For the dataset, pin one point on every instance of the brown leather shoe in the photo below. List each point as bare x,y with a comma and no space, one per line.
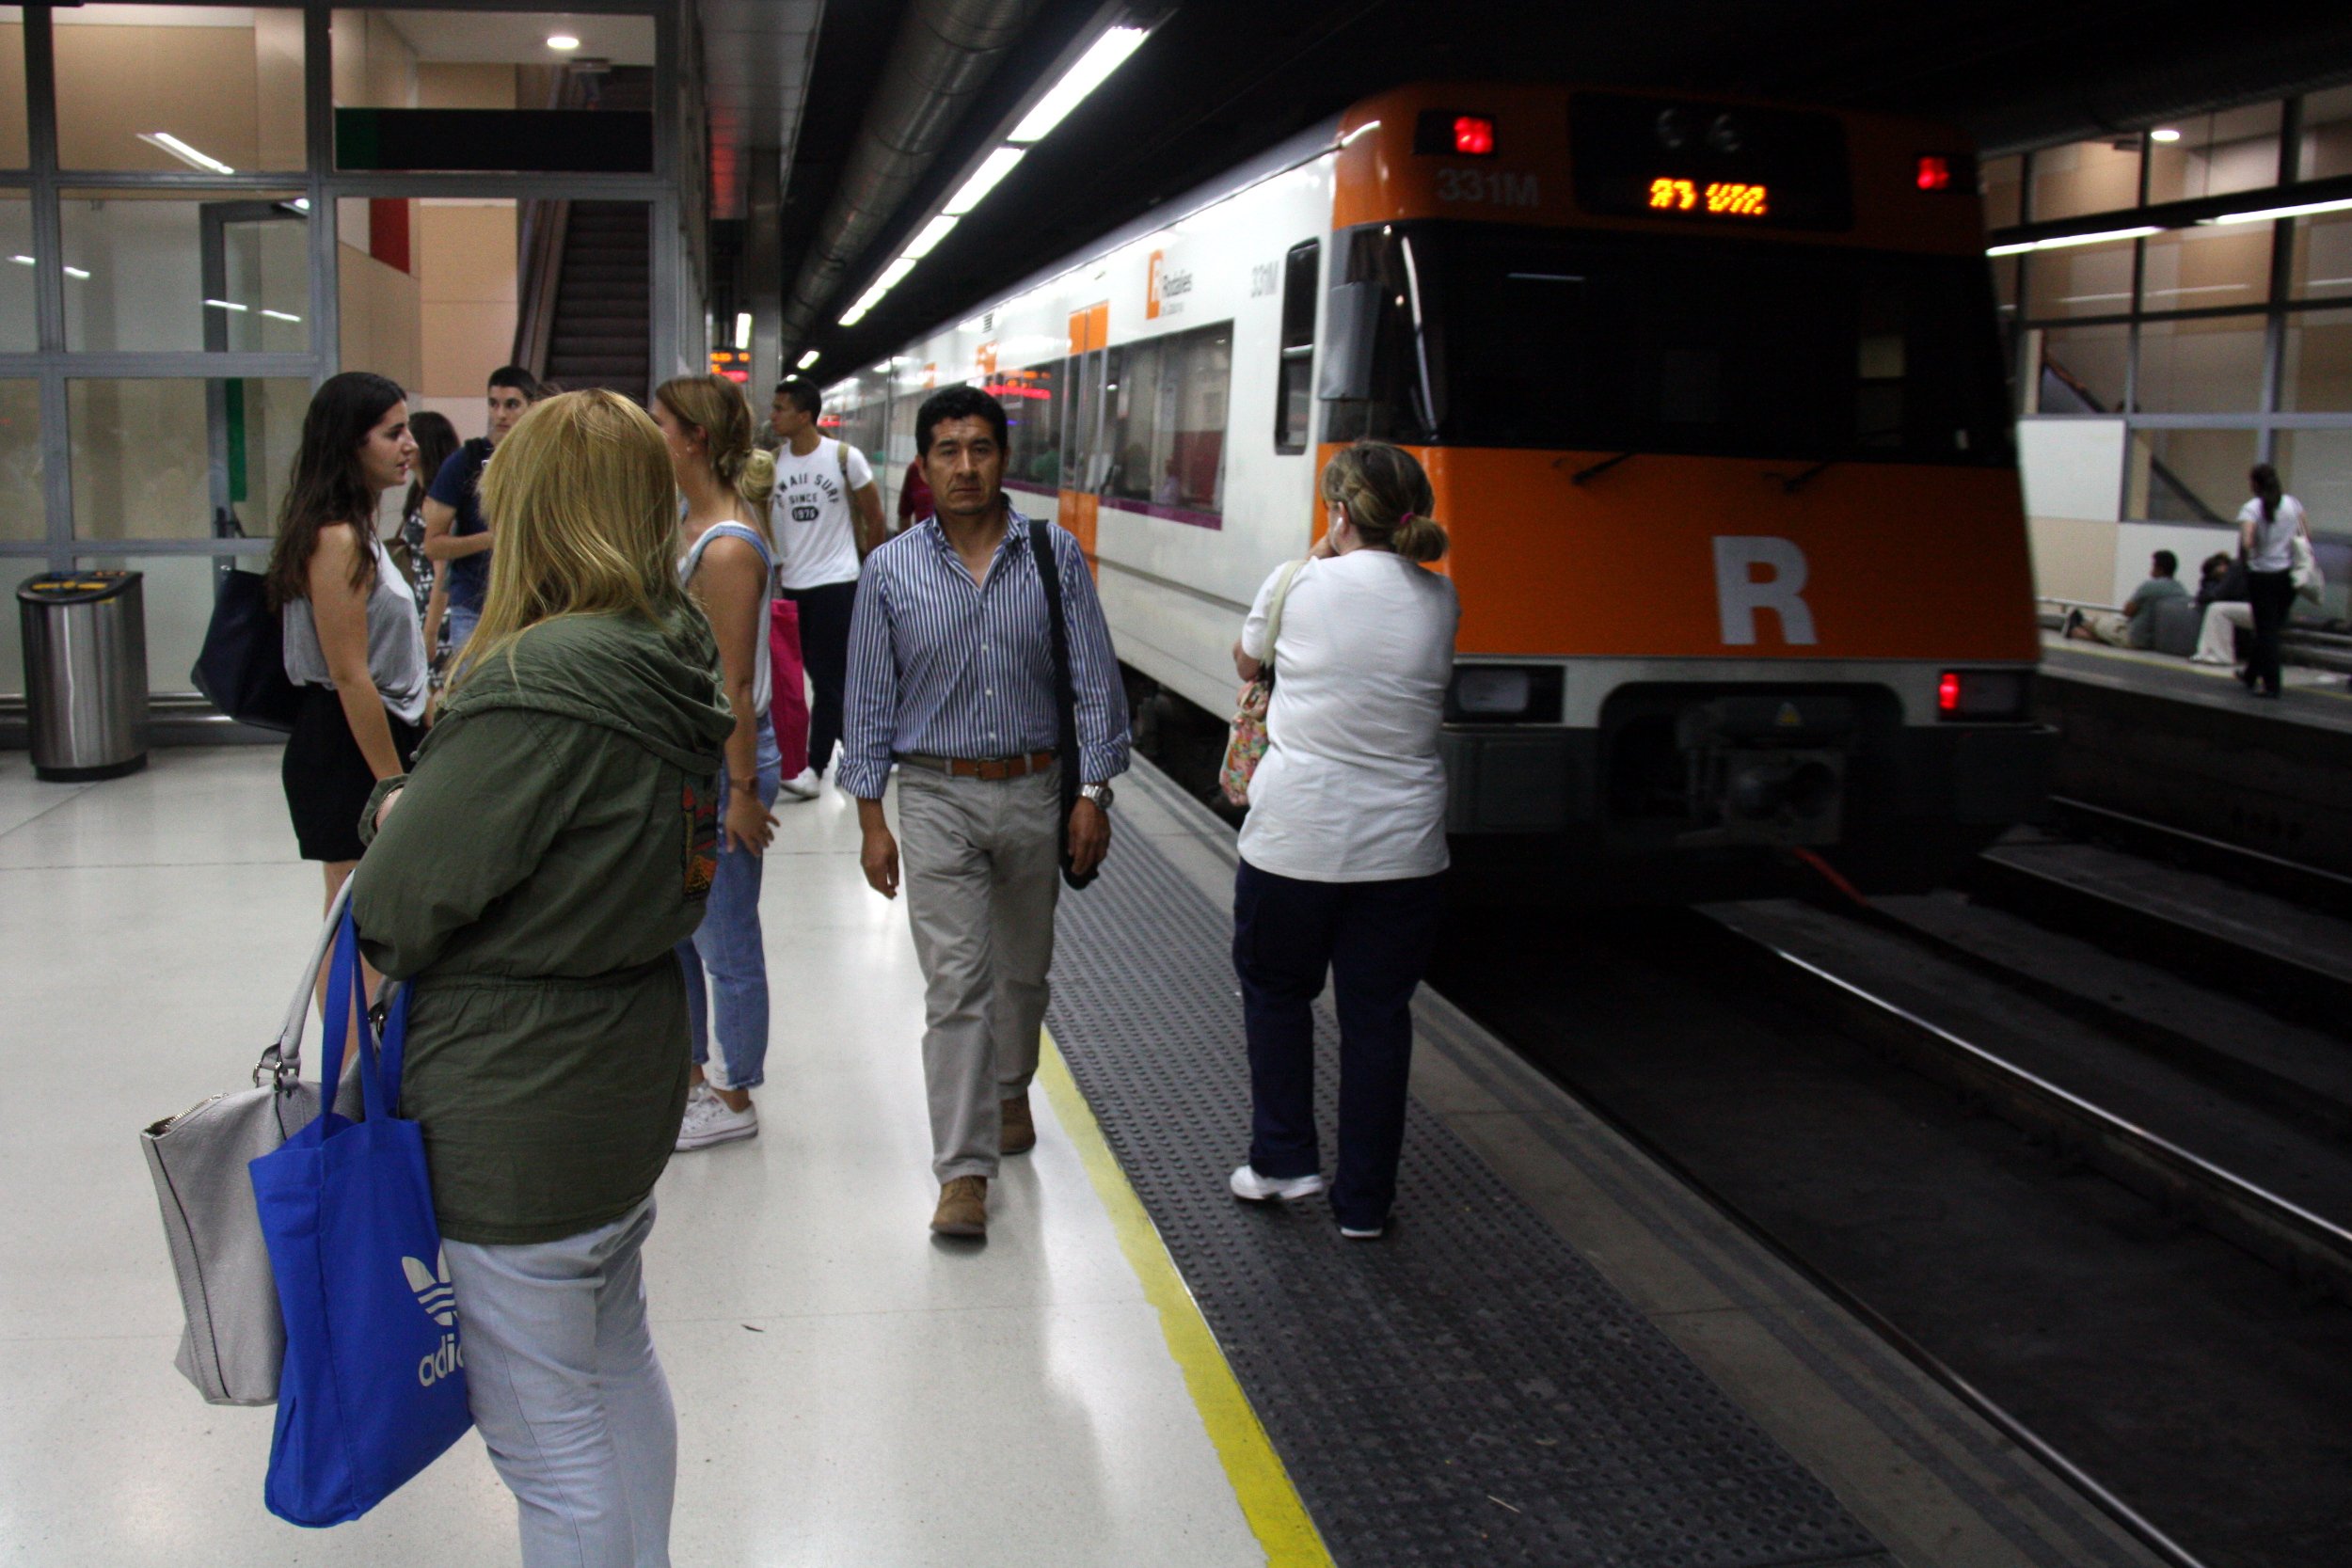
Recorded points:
1020,1133
963,1207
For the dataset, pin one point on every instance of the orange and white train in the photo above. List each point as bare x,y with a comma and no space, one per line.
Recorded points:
1713,398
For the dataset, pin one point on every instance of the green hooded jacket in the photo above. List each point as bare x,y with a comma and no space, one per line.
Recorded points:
553,844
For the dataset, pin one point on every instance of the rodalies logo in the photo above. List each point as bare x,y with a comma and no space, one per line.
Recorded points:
439,1303
1163,288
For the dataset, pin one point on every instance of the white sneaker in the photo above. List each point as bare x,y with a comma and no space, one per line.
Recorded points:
802,788
712,1120
1252,1188
1372,1235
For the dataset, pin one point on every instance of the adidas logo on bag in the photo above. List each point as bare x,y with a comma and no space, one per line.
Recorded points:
440,1302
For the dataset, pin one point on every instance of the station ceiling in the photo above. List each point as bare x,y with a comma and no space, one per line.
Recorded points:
1219,80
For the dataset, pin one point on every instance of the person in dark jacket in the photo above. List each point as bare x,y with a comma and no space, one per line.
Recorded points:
530,879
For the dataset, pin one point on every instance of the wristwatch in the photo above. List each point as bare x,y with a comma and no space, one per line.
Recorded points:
1098,793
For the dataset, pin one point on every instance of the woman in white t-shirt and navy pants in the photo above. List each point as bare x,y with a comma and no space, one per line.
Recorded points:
1344,844
2266,531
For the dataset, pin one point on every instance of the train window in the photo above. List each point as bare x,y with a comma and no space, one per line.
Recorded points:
1494,336
1033,412
1293,397
1164,424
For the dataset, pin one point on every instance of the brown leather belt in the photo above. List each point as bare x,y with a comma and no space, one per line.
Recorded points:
993,769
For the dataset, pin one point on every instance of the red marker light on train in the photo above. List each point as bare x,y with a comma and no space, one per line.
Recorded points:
1935,173
1947,693
1474,135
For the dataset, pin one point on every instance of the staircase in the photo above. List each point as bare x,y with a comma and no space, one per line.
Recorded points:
603,331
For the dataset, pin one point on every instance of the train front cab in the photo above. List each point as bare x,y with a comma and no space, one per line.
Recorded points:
1711,398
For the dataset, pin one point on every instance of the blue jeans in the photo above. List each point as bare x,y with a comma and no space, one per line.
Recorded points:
1375,938
571,1399
727,947
461,619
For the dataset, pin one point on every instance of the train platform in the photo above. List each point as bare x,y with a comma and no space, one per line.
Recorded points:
2164,739
1559,1356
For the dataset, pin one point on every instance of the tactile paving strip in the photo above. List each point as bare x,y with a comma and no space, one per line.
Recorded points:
1467,1390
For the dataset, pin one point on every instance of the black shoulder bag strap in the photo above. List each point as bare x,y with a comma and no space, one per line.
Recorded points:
1065,691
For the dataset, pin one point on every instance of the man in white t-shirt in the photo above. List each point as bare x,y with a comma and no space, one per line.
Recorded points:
825,516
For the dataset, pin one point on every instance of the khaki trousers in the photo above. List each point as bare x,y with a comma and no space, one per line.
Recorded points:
982,862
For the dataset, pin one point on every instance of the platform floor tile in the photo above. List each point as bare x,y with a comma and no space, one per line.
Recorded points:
1467,1390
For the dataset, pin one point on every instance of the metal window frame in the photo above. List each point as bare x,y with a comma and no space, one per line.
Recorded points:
51,365
2275,316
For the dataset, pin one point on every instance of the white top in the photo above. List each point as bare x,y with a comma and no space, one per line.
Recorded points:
2274,541
1350,789
810,515
395,643
763,674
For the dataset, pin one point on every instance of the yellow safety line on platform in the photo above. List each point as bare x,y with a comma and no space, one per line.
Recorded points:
1260,1483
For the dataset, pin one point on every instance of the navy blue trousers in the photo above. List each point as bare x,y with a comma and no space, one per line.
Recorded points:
1375,939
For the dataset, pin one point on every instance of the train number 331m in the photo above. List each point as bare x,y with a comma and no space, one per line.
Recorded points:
1493,188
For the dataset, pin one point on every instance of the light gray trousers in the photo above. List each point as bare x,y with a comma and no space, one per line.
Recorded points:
983,867
562,1380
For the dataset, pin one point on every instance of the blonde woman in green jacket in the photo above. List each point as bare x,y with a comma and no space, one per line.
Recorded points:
530,879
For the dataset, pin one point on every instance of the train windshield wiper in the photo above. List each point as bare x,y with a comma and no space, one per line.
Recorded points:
1594,470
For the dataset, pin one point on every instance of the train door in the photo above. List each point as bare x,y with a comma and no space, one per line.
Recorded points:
1085,459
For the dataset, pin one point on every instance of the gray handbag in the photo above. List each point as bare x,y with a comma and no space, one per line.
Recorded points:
234,1339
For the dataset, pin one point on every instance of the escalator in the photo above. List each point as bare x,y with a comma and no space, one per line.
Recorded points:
2169,496
586,311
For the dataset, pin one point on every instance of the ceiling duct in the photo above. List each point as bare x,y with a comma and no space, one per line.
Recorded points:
945,53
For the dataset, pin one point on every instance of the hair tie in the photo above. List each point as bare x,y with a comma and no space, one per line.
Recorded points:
1405,521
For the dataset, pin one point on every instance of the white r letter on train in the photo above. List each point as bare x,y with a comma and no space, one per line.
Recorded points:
1738,592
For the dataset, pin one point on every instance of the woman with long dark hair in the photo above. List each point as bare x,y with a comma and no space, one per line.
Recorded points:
2266,531
436,440
352,645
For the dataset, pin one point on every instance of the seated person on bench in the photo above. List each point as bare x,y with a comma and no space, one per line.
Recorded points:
2222,611
2135,628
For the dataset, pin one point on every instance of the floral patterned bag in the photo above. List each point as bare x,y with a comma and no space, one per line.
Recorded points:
1247,742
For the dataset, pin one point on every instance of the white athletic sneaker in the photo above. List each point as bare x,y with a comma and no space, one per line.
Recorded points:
711,1121
1372,1235
1252,1188
802,788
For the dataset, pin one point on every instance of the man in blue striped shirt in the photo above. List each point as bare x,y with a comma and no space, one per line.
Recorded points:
951,677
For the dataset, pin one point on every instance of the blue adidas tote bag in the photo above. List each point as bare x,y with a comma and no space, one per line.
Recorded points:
374,1386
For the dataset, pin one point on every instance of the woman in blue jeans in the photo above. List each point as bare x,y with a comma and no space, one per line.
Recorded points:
728,567
1342,851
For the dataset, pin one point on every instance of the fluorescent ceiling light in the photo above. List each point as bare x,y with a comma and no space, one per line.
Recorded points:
983,181
76,272
185,154
857,314
807,359
21,261
2163,134
1095,66
927,241
281,316
562,40
890,276
300,204
226,305
743,329
2303,210
2063,241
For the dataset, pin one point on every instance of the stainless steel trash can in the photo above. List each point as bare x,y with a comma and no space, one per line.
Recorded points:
85,672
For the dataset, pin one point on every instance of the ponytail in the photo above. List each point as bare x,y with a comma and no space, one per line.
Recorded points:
2265,480
1387,499
715,406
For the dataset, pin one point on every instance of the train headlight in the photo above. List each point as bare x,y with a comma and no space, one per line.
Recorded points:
1504,694
1983,694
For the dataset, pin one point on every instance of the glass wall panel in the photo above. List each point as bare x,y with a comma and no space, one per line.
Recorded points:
15,147
2084,369
2085,177
2197,269
2200,366
404,59
1166,430
153,458
170,89
176,593
2004,192
2189,475
2323,256
2318,371
154,272
2079,280
2316,468
2326,135
2236,150
20,330
22,516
